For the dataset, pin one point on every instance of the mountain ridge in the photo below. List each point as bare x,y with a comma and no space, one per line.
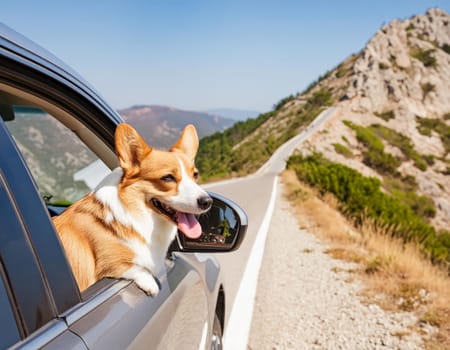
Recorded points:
161,125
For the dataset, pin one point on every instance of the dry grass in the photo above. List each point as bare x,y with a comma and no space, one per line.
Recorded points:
397,272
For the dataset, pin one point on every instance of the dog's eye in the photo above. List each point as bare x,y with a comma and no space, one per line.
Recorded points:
196,175
168,178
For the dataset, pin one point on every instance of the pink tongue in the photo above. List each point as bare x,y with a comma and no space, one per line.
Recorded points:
189,225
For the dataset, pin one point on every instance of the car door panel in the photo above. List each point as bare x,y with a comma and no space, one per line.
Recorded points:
53,336
130,319
66,341
188,326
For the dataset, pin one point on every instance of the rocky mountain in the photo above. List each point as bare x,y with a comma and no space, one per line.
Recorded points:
397,87
392,116
161,126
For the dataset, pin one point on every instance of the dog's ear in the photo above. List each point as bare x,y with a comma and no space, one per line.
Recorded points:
131,148
187,143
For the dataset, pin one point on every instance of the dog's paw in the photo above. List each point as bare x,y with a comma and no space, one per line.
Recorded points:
143,279
147,283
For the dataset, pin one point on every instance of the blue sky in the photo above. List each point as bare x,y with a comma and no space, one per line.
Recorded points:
201,54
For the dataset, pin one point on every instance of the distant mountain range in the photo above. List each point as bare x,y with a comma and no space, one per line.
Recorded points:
232,113
161,126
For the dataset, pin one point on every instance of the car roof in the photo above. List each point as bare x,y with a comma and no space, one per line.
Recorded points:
20,46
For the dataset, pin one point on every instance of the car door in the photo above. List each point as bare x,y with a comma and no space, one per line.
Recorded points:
174,319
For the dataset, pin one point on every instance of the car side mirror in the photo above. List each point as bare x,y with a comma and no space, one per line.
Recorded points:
223,228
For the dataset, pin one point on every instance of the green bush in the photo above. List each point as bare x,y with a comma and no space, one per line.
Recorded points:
425,56
426,89
384,163
424,127
405,145
428,158
282,102
406,183
313,84
422,205
343,70
446,48
320,98
386,115
343,150
427,125
374,156
361,198
394,138
366,136
420,164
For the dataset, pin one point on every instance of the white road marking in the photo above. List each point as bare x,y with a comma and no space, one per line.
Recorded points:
237,331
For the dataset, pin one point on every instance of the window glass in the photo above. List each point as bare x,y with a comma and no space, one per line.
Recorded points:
21,266
9,332
64,168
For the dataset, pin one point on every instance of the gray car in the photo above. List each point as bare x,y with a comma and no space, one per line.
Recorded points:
56,142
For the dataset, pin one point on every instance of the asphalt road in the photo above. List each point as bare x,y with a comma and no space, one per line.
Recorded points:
255,194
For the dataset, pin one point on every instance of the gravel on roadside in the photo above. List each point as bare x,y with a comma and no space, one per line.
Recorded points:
305,299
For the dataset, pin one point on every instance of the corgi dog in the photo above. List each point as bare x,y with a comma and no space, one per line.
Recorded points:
123,228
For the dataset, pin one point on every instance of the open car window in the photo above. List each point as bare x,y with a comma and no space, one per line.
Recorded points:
64,168
66,158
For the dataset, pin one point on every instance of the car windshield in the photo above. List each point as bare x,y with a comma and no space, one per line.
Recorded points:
64,168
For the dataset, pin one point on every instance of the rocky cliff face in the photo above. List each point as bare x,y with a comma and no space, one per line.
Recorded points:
400,61
401,82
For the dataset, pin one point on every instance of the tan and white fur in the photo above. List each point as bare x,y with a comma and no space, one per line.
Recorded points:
124,227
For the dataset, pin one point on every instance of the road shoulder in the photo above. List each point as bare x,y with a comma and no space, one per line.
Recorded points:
304,299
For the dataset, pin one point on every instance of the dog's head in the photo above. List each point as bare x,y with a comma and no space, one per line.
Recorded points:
164,180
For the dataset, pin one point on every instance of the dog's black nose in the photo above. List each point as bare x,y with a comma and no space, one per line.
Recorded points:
204,202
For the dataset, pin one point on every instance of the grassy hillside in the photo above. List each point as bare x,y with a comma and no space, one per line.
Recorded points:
244,147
